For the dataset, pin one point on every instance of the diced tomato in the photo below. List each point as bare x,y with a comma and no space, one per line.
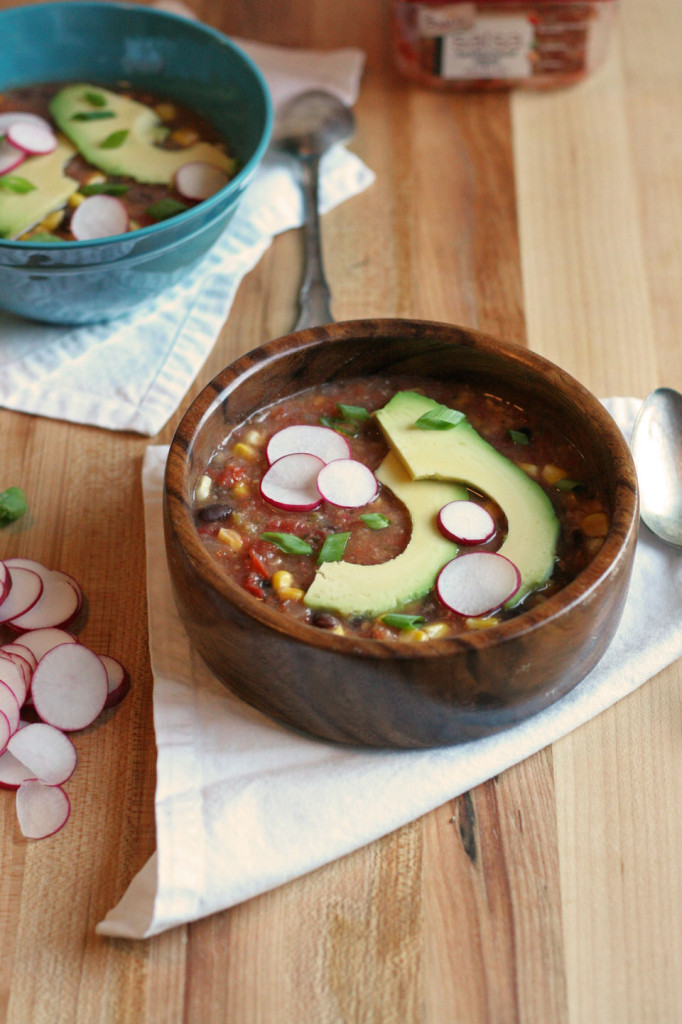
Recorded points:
257,563
230,475
254,584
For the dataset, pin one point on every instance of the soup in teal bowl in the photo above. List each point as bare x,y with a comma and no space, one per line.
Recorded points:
145,70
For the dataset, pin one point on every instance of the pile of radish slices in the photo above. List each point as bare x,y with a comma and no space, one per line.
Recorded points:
23,135
309,464
48,674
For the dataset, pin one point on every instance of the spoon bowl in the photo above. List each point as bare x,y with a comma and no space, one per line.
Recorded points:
307,127
657,451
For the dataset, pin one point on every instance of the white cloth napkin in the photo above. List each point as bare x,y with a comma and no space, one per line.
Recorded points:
243,804
132,373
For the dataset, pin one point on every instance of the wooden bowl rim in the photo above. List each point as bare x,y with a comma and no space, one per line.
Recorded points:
624,521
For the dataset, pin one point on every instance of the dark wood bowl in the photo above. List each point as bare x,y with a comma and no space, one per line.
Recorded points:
388,693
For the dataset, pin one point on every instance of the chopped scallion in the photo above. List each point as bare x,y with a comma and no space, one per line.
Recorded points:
115,140
107,188
95,99
569,485
333,547
353,412
440,418
289,543
13,183
92,115
520,436
375,520
396,621
12,505
166,208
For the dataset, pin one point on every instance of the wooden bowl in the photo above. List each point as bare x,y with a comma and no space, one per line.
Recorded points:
391,693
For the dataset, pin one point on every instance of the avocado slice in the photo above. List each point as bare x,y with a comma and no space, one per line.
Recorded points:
20,211
118,136
352,589
461,454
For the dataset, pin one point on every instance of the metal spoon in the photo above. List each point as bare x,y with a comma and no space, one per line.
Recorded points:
657,451
306,127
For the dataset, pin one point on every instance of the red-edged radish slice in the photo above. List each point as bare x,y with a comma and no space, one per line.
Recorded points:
5,581
46,752
69,687
118,680
10,157
99,216
347,483
20,662
10,117
5,733
477,583
198,180
41,810
58,605
74,583
13,676
323,442
12,772
466,522
27,588
32,139
21,651
9,705
291,482
40,641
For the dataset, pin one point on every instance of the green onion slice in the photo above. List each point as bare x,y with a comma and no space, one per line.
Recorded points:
396,621
13,183
341,426
12,505
115,140
520,436
333,547
166,208
569,485
92,115
375,520
95,99
440,418
353,412
289,543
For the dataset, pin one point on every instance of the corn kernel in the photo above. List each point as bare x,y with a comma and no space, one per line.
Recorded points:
52,221
481,623
184,137
529,468
255,438
166,111
230,538
241,489
203,488
596,524
76,199
339,630
281,580
552,474
244,451
291,594
436,629
95,178
415,636
133,225
593,544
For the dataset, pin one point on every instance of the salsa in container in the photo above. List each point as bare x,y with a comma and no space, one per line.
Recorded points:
500,43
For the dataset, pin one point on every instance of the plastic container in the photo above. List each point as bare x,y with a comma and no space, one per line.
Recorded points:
500,44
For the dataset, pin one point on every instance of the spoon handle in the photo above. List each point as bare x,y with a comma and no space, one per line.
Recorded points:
314,296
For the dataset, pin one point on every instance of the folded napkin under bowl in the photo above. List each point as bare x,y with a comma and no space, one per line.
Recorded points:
390,693
176,59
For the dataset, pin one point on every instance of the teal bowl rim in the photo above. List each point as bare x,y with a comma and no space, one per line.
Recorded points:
237,183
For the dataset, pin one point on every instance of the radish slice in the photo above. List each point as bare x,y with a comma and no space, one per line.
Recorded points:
57,605
9,705
320,441
27,587
5,733
69,687
99,217
72,582
347,483
198,180
21,651
477,583
118,680
10,157
12,772
291,482
42,810
11,675
40,641
21,663
46,752
5,581
466,522
32,139
11,117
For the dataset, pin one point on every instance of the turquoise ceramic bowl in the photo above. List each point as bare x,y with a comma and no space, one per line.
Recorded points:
85,282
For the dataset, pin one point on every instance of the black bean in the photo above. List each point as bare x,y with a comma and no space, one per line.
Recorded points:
214,513
324,620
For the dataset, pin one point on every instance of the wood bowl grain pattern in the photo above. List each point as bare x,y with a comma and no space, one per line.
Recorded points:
392,694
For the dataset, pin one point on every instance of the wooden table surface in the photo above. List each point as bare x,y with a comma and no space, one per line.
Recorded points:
552,893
